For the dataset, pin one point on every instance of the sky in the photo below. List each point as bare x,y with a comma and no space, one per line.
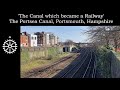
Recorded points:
75,33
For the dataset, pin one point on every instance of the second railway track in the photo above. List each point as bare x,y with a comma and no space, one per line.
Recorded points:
85,67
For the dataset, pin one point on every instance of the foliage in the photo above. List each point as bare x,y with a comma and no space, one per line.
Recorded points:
49,57
105,35
69,42
24,57
103,63
33,64
108,47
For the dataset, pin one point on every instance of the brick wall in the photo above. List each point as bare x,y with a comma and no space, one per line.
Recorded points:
24,41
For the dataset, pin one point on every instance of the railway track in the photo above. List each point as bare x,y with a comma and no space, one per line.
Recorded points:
81,50
89,72
49,67
84,68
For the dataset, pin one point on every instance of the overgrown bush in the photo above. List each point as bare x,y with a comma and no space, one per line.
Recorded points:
108,47
49,57
103,63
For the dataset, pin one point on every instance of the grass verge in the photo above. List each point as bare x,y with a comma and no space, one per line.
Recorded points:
37,63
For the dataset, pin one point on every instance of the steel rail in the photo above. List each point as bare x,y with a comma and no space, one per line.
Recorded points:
74,66
94,69
88,65
79,66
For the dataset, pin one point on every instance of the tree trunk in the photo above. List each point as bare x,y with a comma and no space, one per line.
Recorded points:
116,44
107,41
